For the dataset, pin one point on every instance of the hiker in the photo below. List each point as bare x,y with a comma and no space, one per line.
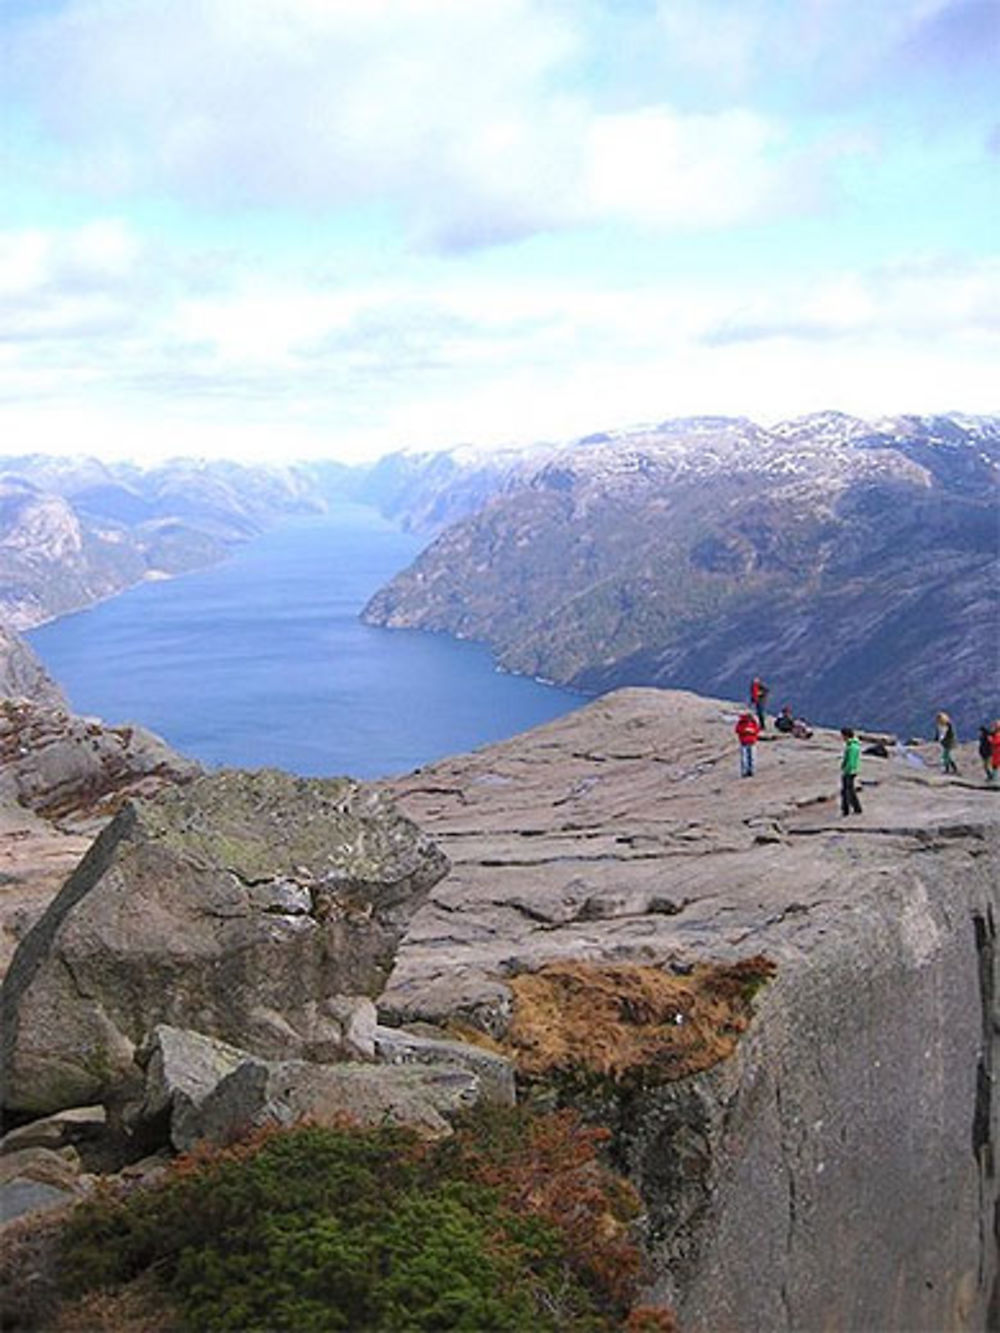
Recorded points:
747,729
758,697
994,774
944,734
850,765
785,721
986,748
801,729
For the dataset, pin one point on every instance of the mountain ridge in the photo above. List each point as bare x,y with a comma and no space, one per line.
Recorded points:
846,560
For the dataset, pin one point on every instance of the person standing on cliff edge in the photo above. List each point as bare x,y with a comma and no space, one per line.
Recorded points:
758,698
944,734
747,729
850,766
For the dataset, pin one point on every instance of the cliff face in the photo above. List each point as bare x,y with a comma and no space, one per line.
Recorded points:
851,564
23,676
838,1169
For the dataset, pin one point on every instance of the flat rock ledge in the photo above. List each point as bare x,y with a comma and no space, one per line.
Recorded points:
839,1168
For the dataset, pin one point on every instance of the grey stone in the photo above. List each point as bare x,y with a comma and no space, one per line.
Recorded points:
19,1198
59,764
209,1092
494,1072
183,1068
55,1131
54,1167
162,923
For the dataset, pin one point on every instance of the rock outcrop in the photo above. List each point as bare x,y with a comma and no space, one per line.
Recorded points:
61,778
22,675
243,906
59,764
838,1168
211,1092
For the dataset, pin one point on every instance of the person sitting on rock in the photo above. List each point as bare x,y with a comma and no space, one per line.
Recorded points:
785,720
801,729
747,729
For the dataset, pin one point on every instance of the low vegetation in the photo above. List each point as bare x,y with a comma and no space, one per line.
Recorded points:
629,1023
513,1223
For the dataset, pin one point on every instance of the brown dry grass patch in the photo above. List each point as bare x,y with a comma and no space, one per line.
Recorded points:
619,1020
138,1307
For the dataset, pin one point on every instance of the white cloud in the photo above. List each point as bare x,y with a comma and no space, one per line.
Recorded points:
100,253
147,359
468,120
920,301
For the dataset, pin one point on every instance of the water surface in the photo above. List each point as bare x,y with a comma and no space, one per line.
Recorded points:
262,660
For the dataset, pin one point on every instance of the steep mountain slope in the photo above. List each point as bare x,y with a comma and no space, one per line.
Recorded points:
22,675
73,531
855,565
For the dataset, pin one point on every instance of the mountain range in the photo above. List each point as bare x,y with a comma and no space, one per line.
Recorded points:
76,530
852,563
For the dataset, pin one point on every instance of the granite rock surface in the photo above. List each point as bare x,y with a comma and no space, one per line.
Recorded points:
244,906
839,1169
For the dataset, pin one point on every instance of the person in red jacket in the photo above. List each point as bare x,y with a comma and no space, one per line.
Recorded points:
758,697
747,729
995,752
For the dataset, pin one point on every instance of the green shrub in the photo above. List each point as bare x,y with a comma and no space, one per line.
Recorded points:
317,1229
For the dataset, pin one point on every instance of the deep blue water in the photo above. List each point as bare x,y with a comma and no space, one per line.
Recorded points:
262,661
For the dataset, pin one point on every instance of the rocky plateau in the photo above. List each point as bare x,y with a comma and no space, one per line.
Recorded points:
831,1163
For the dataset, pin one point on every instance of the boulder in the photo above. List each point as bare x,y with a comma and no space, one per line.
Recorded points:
244,906
201,1090
64,1129
494,1072
37,1179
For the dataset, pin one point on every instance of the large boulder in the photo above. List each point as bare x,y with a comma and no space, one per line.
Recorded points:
201,1090
244,906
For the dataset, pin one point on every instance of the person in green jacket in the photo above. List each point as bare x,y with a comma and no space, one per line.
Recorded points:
850,766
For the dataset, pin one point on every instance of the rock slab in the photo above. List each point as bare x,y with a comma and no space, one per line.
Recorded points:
839,1170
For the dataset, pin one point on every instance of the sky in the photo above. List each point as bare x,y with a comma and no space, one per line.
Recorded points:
279,229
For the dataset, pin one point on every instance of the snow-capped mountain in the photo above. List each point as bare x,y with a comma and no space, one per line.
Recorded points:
853,562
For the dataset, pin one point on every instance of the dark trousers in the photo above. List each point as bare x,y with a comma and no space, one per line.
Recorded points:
848,795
